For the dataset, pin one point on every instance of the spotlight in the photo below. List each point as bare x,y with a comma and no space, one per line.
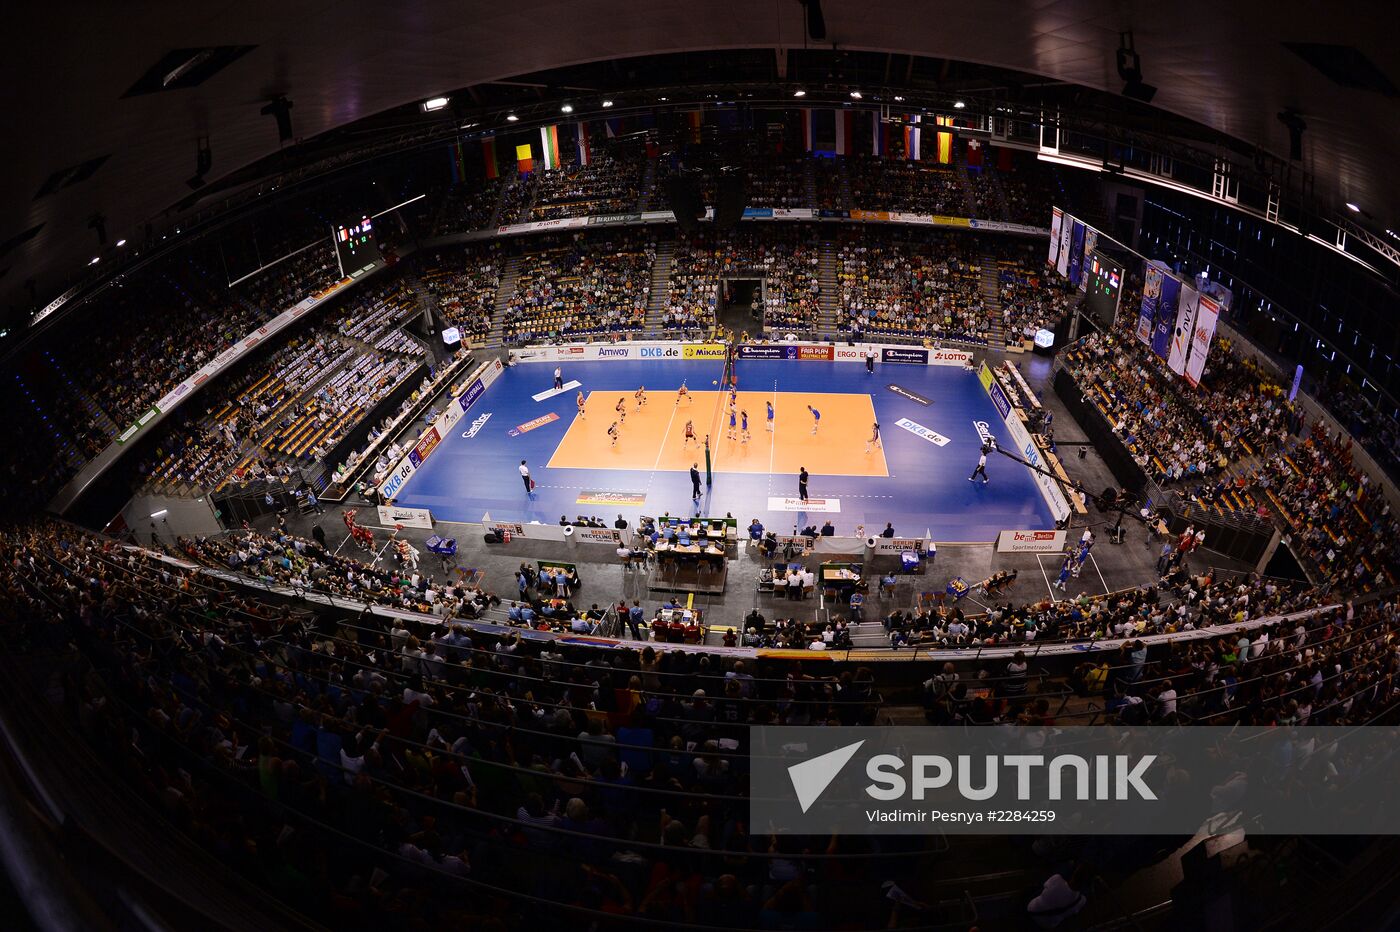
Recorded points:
899,98
434,103
1353,208
607,103
1130,70
511,118
567,108
855,95
1290,118
959,104
95,260
280,109
121,242
799,93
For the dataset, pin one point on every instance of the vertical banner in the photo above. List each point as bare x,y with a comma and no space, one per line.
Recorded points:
1062,258
1181,335
488,157
583,152
1091,245
1056,217
1147,315
807,140
1166,316
1297,381
945,141
845,119
879,138
549,146
1076,254
1207,313
695,119
524,161
459,163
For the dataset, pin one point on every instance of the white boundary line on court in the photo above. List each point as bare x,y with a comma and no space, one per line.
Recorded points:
1049,588
1103,581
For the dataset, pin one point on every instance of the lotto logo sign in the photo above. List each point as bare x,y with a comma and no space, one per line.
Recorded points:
815,352
659,352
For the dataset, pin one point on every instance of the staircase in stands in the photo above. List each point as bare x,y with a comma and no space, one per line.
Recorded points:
660,287
648,186
829,300
504,292
990,287
809,181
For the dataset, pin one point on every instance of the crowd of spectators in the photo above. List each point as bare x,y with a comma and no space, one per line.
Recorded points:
693,286
897,184
464,207
581,286
1177,433
1031,298
787,257
465,282
1376,432
609,184
910,285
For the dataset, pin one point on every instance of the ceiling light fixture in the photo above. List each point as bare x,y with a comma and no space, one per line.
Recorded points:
855,95
607,103
121,242
567,108
434,103
959,104
799,93
1353,208
95,260
511,118
899,98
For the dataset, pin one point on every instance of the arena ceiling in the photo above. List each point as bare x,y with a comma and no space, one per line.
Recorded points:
85,140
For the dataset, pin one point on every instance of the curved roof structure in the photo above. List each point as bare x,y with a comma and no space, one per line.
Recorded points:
108,101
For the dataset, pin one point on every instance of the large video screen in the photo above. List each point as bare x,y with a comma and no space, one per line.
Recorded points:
1104,277
356,247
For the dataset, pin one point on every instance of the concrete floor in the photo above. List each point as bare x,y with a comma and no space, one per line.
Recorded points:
1110,567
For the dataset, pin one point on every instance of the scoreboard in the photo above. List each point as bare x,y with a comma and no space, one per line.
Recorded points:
1105,286
356,247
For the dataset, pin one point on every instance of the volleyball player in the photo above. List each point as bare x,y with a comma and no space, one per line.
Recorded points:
579,401
689,434
621,409
874,440
612,432
770,416
816,418
641,395
744,429
732,432
683,393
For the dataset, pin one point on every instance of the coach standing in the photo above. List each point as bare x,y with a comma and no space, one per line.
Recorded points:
695,482
525,478
802,483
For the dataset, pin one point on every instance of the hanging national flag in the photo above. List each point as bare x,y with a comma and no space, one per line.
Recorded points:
945,141
613,127
583,153
879,139
808,140
459,163
845,122
488,156
524,161
974,154
913,137
694,119
549,146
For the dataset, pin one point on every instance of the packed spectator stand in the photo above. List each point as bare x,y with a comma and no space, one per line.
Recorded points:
581,286
910,286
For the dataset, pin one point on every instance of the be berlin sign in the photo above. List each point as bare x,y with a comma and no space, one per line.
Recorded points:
1075,780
